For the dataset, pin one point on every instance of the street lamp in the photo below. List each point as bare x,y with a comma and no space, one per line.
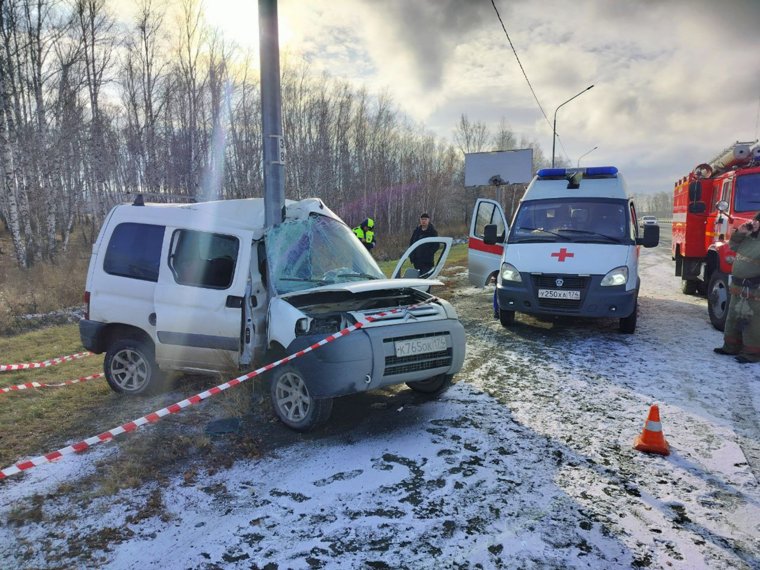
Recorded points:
584,154
554,134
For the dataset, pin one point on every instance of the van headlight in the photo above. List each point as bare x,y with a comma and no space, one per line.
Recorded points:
509,273
618,276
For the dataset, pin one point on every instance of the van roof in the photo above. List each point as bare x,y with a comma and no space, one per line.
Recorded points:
593,182
245,213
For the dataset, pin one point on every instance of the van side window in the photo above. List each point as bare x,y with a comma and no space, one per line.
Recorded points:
203,259
134,251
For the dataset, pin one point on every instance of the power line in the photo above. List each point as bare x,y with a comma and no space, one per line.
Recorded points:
503,27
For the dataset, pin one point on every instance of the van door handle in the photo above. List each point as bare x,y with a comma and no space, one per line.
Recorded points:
234,302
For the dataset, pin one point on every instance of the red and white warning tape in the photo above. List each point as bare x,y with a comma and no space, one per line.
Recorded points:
30,385
197,398
44,364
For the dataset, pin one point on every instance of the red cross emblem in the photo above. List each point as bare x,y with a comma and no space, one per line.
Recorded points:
562,254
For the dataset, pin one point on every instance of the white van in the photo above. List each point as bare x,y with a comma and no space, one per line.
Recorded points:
572,250
185,287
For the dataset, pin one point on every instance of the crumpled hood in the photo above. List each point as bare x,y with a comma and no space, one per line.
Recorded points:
369,285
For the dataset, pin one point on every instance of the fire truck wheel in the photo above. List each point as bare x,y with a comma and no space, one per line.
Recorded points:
717,299
689,287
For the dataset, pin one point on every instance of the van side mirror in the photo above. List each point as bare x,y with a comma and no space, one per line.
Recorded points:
490,236
697,208
651,236
722,206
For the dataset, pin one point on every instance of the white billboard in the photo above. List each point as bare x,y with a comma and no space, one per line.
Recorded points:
498,167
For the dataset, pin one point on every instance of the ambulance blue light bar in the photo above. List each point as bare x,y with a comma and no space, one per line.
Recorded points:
590,172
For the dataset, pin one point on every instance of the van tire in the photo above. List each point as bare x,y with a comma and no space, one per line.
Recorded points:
628,324
434,385
130,368
718,299
506,318
293,404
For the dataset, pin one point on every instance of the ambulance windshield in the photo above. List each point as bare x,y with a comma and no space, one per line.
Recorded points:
571,220
317,251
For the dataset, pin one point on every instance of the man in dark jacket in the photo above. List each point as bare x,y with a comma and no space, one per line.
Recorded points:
423,257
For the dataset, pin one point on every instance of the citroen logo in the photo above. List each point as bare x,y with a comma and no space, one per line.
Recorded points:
559,282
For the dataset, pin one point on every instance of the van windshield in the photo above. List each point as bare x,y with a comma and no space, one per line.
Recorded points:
303,254
566,220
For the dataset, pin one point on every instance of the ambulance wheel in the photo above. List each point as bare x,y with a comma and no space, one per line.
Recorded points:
293,403
718,299
432,385
628,324
506,318
130,368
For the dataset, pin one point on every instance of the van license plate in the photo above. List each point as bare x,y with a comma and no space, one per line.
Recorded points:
559,294
420,346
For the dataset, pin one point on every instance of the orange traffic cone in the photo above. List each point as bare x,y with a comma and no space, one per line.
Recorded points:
651,439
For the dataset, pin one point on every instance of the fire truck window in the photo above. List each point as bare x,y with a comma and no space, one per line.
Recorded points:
747,194
694,192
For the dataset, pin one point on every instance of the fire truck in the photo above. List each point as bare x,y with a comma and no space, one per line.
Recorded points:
708,205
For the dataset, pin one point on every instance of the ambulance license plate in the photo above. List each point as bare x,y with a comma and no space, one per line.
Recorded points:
559,294
420,346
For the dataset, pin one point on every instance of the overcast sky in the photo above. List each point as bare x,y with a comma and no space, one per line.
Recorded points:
675,81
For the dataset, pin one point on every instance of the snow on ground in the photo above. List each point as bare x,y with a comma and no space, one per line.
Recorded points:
526,462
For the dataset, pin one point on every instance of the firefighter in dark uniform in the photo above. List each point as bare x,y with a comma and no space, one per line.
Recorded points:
741,335
366,233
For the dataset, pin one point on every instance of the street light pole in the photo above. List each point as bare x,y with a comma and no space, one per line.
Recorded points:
584,154
554,133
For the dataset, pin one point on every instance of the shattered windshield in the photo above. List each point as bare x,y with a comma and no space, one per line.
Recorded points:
303,254
578,220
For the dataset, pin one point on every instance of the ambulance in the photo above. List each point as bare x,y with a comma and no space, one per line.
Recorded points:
572,248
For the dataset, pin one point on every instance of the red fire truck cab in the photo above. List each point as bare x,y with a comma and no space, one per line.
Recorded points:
708,205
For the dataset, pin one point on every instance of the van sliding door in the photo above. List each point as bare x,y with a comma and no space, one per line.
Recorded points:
199,299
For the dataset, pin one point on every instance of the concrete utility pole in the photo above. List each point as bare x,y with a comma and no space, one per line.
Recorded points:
271,114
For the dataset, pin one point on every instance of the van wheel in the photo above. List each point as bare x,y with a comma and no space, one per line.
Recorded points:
506,318
292,402
432,385
628,324
718,299
130,368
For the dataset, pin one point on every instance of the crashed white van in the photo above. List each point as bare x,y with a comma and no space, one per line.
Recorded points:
572,249
185,287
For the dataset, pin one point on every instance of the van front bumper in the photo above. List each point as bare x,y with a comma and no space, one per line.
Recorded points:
594,301
366,358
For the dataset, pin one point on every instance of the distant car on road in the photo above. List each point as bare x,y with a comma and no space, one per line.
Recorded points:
648,221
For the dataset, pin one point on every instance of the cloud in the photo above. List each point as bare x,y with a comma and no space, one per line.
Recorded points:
675,81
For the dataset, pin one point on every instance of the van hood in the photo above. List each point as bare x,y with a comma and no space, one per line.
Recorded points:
367,286
567,257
